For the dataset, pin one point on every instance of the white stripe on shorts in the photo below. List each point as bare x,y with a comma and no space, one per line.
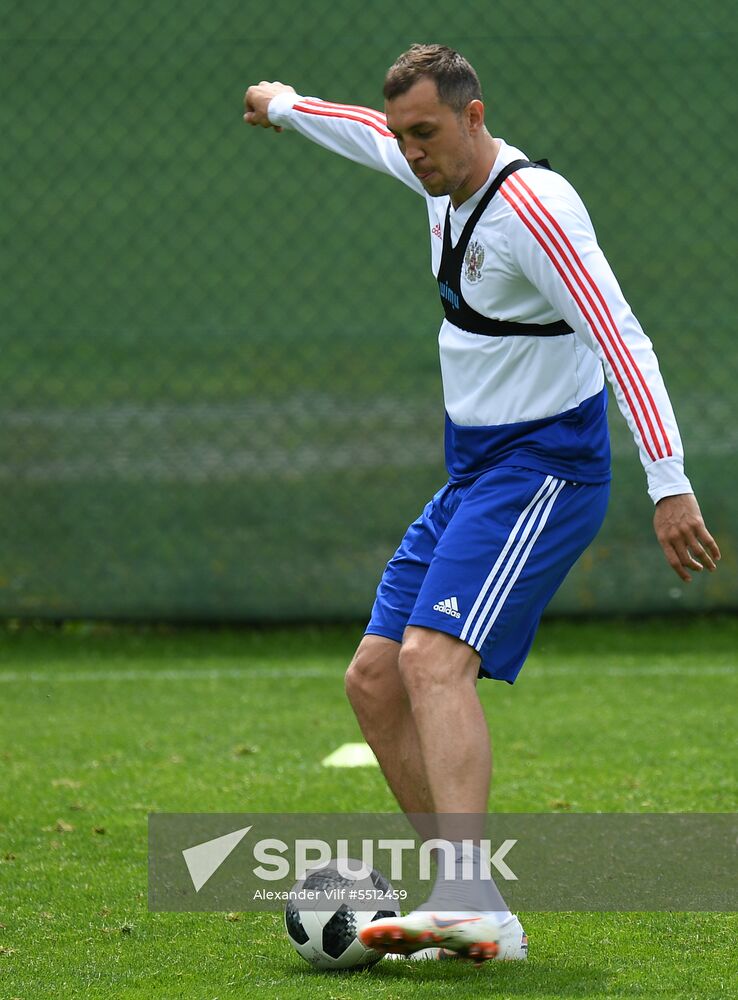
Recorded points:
506,570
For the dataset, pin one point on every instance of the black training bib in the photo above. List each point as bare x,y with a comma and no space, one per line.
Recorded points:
457,310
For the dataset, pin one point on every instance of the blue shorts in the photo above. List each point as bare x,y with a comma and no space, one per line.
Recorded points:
485,558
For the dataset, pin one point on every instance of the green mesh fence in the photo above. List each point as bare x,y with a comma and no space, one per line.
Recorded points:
220,386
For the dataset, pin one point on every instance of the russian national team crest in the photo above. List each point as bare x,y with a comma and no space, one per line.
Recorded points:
473,261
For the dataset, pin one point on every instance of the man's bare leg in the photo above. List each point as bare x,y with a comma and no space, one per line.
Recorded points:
465,915
439,674
418,709
381,705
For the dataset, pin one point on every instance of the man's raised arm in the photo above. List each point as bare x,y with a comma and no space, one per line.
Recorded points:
360,134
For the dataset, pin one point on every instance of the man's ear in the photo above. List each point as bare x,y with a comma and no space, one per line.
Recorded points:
474,113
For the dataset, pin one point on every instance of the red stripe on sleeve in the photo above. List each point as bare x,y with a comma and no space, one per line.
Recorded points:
369,112
328,113
635,374
519,205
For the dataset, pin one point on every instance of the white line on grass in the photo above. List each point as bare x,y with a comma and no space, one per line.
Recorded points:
295,673
674,670
229,673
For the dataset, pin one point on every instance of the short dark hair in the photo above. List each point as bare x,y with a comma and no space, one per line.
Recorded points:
455,78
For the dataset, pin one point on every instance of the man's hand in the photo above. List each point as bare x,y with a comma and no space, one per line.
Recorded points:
686,542
256,102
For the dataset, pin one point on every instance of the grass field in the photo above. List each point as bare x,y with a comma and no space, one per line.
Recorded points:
102,726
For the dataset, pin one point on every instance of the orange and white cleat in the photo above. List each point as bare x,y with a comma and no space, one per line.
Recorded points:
474,936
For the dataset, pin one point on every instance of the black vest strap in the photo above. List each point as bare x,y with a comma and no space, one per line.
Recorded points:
457,310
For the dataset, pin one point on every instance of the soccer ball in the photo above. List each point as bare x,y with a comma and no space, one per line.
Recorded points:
323,928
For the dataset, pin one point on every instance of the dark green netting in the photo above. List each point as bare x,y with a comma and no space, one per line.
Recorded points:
220,393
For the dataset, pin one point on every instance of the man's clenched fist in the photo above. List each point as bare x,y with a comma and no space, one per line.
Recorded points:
256,102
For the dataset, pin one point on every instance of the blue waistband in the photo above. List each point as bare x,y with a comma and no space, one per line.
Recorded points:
573,445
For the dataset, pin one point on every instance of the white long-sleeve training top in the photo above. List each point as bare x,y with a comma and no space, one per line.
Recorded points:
531,398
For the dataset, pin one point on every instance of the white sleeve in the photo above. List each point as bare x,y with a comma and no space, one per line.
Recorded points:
359,134
553,242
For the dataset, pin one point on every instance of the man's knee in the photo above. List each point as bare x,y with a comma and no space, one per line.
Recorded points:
430,659
418,668
372,674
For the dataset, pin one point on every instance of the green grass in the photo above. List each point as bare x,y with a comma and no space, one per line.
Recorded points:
103,725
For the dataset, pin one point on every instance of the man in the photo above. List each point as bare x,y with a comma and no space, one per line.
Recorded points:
533,316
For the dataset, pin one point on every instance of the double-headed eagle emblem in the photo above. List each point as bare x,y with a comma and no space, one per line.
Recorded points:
473,260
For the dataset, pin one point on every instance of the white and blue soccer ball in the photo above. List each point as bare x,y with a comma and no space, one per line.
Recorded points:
324,930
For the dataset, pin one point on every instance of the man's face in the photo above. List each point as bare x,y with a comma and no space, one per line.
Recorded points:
435,141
